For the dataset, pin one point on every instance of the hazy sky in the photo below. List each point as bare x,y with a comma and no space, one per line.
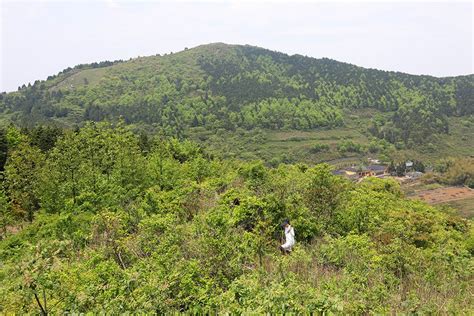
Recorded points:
40,38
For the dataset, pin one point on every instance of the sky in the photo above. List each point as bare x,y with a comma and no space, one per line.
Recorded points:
40,38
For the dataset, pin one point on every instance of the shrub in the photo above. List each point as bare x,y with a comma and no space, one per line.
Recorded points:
317,148
349,146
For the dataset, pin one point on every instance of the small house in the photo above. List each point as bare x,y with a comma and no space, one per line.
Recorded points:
378,170
373,171
350,173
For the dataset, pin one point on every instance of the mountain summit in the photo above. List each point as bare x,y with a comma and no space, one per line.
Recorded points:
231,86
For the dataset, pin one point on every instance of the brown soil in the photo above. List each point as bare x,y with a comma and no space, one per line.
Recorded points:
442,195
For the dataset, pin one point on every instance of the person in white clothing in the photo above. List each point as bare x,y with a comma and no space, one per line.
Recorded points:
289,237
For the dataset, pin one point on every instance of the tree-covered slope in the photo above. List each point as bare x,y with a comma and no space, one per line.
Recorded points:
229,86
101,221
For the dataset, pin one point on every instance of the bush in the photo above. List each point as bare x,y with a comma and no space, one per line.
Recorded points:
349,146
120,230
317,148
460,172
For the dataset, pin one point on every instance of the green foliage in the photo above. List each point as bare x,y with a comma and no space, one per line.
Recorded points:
3,148
22,179
220,86
14,137
118,229
417,118
323,194
6,216
98,167
44,137
317,148
459,172
349,146
290,114
121,223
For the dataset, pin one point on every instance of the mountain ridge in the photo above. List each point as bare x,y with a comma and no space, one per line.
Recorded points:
221,86
70,71
222,44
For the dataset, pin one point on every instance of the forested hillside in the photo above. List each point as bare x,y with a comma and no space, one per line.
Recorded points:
104,220
225,87
107,205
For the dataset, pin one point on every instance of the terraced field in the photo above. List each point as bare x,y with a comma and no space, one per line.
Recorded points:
459,198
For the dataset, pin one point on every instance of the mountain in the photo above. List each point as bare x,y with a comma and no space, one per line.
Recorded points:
228,87
102,219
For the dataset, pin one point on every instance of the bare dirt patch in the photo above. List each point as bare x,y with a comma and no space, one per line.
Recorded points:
443,195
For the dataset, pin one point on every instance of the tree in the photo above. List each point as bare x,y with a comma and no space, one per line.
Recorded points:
44,137
60,176
418,166
3,148
99,166
324,192
6,216
21,175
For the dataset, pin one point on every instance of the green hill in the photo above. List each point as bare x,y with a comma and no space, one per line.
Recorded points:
97,223
218,89
120,218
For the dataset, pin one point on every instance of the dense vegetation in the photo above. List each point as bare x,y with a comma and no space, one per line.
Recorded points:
456,172
226,87
102,220
101,217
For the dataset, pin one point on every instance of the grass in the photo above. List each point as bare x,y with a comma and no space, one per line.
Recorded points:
183,62
411,189
80,78
456,143
464,207
286,145
295,146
